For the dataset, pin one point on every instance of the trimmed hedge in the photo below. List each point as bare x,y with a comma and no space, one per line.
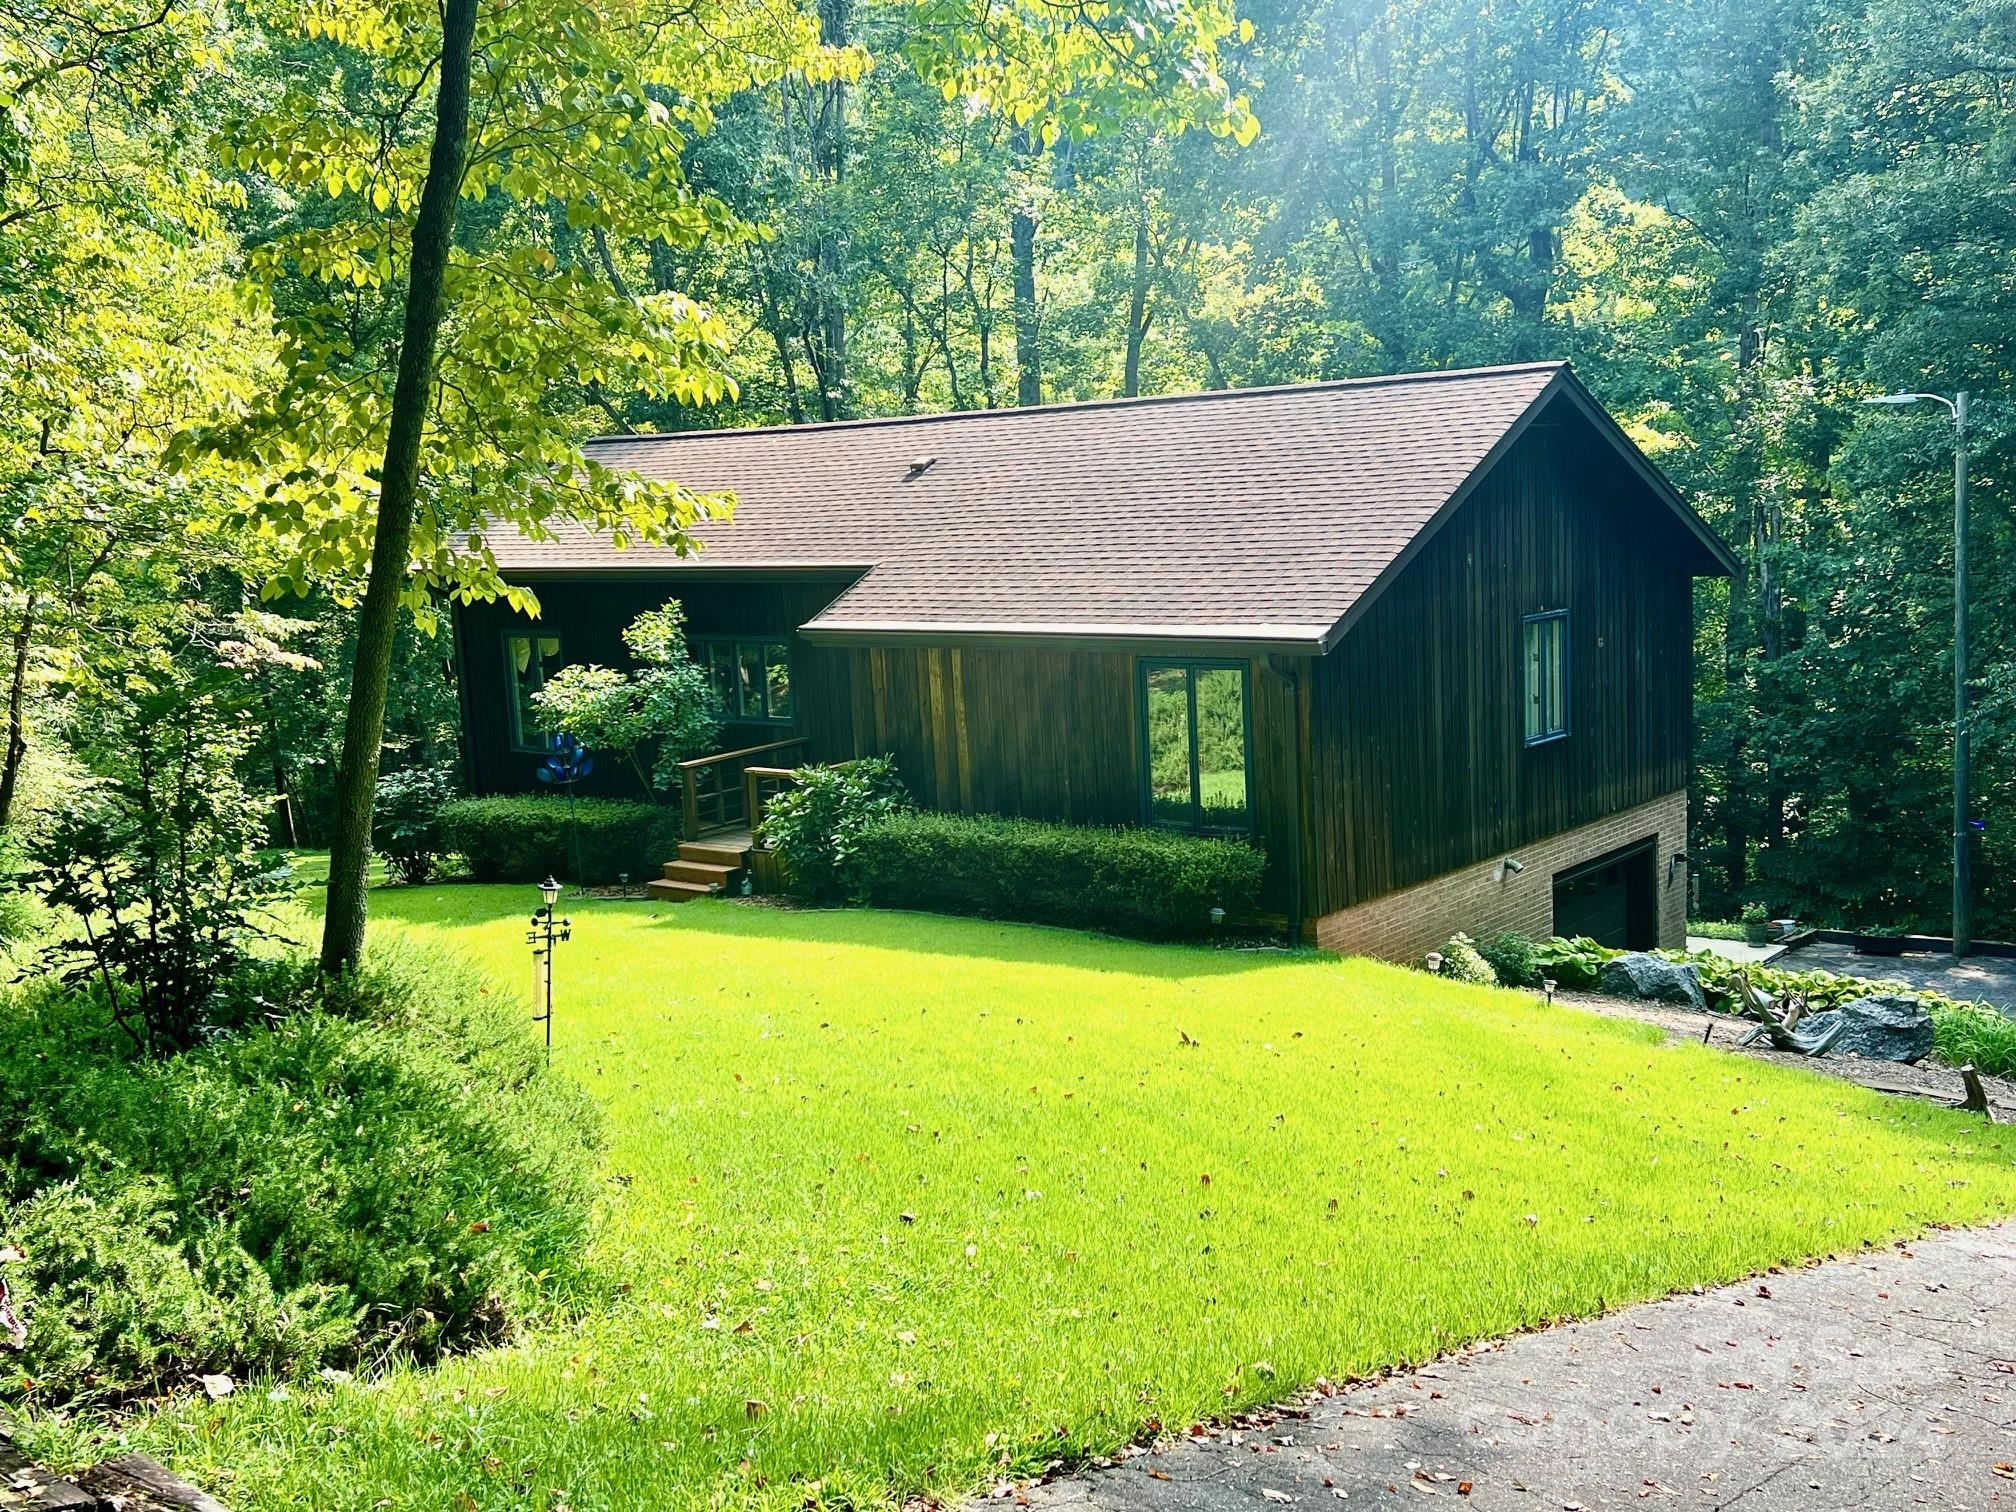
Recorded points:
527,839
1130,881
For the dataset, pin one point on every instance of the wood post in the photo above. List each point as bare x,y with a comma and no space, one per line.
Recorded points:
1976,1100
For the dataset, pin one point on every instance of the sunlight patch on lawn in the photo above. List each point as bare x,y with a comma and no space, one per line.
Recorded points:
899,1203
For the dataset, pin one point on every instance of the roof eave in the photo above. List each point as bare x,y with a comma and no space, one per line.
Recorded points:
1185,640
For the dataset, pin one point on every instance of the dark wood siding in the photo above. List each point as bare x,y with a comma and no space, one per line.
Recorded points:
1420,760
589,616
1040,734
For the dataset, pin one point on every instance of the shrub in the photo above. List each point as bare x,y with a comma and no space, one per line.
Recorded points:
1513,958
406,821
1462,962
658,714
159,852
530,838
815,825
1131,881
1973,1034
1571,963
1714,929
389,1169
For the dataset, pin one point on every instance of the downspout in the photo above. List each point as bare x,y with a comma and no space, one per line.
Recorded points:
1290,673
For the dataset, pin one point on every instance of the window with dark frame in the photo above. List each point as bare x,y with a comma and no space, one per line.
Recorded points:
528,661
751,675
1546,677
1197,744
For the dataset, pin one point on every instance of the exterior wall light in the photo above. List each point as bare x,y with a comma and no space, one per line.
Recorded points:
1511,866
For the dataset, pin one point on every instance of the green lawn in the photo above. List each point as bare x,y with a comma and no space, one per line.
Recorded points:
896,1203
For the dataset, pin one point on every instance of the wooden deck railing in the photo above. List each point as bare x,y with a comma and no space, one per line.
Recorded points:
714,793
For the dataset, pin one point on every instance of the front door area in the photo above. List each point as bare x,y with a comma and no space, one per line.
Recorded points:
1611,899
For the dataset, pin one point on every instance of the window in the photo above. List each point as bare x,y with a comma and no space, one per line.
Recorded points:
528,661
752,678
1546,676
1197,745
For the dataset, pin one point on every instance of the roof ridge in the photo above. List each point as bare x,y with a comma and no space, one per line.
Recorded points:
1077,406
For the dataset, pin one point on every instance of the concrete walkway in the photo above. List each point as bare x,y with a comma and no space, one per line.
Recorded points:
1884,1381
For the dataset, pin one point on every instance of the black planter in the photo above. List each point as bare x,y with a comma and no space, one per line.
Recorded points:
1879,945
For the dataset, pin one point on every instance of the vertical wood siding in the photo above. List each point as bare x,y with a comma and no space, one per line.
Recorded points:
1418,735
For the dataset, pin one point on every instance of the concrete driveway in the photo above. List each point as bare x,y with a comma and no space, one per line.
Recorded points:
1887,1380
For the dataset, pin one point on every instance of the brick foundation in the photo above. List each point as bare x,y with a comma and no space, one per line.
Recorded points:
1406,925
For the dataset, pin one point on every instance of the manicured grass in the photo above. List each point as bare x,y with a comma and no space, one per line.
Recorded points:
897,1204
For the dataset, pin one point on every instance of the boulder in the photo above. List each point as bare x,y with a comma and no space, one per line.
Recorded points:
1881,1027
1638,975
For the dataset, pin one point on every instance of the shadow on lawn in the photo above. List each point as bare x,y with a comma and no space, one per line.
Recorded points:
980,939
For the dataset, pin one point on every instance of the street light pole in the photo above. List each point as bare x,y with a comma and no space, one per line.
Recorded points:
1963,890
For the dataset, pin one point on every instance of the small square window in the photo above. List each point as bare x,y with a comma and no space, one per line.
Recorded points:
1546,676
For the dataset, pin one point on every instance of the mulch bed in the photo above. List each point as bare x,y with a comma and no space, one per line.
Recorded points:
1928,1080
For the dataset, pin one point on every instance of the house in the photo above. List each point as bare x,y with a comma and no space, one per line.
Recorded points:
1425,639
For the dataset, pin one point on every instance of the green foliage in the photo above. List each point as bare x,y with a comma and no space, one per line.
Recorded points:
1756,921
156,859
527,839
1714,929
816,824
387,1169
1571,963
662,712
1513,958
1463,962
406,820
886,1059
1146,882
1974,1034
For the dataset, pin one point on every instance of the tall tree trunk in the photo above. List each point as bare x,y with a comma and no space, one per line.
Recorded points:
1137,301
398,491
829,162
1022,244
17,696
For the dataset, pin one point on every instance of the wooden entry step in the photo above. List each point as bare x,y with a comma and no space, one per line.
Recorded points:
702,870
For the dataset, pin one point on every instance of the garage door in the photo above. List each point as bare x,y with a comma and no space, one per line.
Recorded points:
1610,899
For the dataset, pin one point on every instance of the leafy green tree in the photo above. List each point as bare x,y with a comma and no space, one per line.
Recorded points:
656,715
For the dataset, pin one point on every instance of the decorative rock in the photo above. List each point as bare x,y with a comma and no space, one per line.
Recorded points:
1882,1027
1638,975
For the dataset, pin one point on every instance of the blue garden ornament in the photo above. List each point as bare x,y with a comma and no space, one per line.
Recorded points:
567,764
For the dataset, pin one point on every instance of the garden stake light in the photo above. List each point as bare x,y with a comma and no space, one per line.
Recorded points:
542,937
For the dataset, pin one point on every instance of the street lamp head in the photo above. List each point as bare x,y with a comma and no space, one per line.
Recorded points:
1891,399
550,891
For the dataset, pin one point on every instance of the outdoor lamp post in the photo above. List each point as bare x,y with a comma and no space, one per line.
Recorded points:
544,934
1963,902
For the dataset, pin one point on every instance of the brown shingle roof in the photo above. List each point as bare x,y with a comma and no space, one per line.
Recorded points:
1259,515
